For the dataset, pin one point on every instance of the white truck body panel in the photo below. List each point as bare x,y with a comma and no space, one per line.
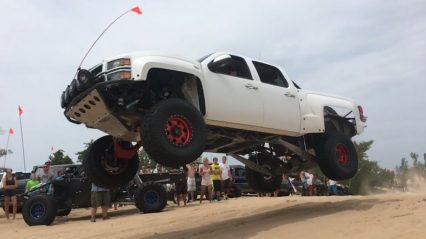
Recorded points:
248,104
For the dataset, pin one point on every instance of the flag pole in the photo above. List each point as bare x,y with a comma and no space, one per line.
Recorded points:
7,150
22,141
137,10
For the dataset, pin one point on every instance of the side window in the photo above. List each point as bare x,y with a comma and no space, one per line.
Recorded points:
270,75
230,65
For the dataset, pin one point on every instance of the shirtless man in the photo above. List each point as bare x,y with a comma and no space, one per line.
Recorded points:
191,181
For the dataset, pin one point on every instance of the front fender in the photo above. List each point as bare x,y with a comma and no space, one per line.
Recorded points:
312,109
142,65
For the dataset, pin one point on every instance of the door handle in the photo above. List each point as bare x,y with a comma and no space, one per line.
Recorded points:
251,87
288,94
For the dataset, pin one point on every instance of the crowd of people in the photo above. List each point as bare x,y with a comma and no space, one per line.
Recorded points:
215,180
310,189
216,183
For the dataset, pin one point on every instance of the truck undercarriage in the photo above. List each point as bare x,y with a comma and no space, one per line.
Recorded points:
165,114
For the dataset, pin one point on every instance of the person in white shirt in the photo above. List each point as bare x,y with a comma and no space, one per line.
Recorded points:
158,169
226,177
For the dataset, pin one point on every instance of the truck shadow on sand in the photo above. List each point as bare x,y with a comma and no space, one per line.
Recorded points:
248,226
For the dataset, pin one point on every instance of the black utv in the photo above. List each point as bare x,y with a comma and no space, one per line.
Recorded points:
73,190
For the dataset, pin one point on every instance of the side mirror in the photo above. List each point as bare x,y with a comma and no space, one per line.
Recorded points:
218,64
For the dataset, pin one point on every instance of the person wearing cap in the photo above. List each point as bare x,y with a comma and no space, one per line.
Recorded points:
46,176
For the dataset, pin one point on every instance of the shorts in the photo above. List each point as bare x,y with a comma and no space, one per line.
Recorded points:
191,184
9,193
206,182
181,188
226,184
216,185
100,199
311,188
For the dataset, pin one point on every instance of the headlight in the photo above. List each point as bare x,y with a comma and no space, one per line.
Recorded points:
117,63
120,75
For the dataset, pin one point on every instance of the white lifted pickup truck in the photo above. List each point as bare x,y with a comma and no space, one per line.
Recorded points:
176,109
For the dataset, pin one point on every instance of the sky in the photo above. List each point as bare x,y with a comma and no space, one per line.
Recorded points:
368,50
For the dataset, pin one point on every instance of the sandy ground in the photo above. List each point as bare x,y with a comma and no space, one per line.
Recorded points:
381,216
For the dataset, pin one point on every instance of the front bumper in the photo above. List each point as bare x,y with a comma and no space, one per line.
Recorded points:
102,105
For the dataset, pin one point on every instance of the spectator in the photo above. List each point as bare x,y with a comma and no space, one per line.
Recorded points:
217,177
191,181
285,184
158,169
206,180
332,187
303,180
182,188
310,183
46,176
142,170
100,197
9,185
226,177
31,183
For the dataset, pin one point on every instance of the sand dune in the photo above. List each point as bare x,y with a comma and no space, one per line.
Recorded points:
381,216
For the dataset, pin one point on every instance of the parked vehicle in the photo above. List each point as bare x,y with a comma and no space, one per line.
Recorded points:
171,107
73,189
240,182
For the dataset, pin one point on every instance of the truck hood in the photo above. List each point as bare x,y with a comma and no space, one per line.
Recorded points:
152,53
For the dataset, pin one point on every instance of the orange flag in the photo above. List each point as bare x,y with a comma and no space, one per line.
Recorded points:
20,110
137,10
11,131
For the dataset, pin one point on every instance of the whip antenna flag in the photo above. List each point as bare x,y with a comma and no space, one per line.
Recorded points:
136,10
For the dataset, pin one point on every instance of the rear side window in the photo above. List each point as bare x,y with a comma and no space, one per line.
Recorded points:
270,74
233,66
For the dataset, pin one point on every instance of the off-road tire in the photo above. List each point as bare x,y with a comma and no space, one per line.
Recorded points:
39,210
336,154
187,140
103,169
151,197
260,182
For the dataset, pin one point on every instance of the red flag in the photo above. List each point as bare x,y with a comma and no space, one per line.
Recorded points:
137,10
20,110
11,131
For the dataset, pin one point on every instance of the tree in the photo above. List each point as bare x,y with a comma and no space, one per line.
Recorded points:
145,160
83,154
370,175
60,158
415,157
